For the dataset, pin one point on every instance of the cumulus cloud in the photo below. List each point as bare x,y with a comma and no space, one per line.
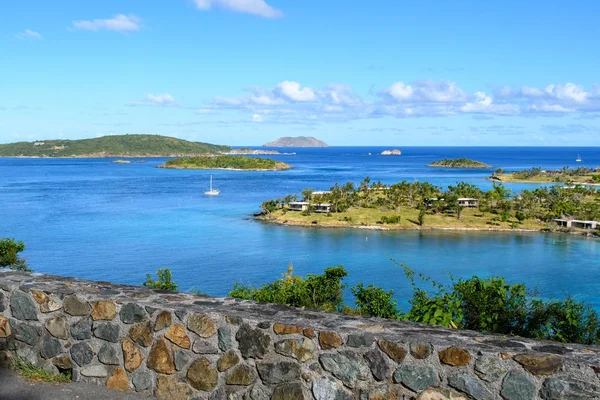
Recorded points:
293,91
426,91
29,34
257,118
160,100
293,102
119,23
254,7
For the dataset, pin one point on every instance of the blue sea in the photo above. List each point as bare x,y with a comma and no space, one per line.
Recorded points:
95,219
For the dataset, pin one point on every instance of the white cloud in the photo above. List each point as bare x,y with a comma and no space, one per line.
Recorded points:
29,34
160,100
254,7
119,23
291,102
295,92
401,91
426,91
550,108
257,118
484,104
568,91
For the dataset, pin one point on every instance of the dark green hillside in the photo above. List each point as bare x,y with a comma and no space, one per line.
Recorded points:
111,146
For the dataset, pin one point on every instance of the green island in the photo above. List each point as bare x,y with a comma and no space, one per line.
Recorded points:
459,163
111,146
566,175
421,205
226,162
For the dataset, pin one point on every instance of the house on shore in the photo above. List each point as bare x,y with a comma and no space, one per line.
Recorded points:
298,205
304,205
468,202
322,208
575,223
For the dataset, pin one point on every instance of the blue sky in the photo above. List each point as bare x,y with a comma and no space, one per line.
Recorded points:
244,72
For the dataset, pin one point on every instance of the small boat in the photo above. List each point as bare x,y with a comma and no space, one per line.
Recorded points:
212,192
578,158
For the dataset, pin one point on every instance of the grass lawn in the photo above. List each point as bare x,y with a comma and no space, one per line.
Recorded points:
409,217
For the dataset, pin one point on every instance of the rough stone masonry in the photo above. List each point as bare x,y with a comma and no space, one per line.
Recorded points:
182,346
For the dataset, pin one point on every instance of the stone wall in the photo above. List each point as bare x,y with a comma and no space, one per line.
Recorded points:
181,346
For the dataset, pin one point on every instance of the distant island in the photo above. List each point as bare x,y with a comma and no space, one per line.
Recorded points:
254,152
394,152
226,162
298,141
581,175
112,146
459,163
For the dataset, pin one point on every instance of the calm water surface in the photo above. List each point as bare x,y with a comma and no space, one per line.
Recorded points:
94,219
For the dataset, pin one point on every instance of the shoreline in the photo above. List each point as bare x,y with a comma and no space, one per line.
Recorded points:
448,167
390,228
416,228
228,169
543,182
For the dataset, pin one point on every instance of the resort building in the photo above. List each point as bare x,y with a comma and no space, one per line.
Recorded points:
298,206
303,206
468,202
575,223
322,208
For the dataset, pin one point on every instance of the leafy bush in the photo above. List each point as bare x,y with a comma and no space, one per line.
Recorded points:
375,301
421,217
164,281
392,219
322,292
9,255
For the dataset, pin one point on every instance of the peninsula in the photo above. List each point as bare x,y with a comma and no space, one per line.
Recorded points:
120,146
581,175
226,162
459,163
421,205
298,141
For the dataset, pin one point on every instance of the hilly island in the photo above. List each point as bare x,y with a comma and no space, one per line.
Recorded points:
112,146
297,141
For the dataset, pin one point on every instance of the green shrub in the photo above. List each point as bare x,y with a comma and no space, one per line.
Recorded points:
9,255
392,219
421,217
164,281
374,301
322,292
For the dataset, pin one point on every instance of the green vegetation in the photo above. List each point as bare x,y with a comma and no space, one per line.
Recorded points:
459,163
320,292
420,205
9,255
163,282
36,374
226,162
111,146
565,175
483,304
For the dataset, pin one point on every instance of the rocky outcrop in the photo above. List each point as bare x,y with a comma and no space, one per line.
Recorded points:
394,152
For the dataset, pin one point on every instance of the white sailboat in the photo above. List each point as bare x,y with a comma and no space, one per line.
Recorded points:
212,192
578,158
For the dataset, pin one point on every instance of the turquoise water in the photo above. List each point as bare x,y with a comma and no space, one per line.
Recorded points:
94,219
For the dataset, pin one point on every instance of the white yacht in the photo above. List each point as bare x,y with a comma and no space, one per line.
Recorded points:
212,192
